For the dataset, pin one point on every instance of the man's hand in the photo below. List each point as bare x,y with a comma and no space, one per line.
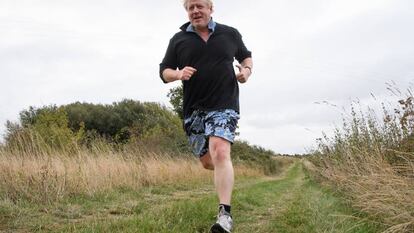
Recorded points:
244,74
186,73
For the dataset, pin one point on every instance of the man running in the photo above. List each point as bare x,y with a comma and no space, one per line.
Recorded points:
201,55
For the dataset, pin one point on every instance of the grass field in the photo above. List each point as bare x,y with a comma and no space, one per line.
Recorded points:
289,202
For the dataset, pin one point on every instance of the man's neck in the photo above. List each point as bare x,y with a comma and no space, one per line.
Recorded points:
202,29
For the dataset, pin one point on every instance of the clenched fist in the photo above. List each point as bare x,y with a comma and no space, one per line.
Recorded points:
186,73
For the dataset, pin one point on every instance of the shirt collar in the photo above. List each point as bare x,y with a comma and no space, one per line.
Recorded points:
211,26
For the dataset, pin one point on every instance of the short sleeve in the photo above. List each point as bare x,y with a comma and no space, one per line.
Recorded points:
242,52
170,59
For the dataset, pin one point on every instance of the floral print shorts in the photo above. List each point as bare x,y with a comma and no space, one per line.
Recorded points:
203,124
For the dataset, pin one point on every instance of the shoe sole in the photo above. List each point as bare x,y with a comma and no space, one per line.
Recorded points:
216,228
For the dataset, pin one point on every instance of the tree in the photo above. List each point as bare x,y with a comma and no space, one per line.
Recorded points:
176,99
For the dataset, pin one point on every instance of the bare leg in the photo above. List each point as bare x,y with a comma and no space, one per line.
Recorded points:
219,150
206,161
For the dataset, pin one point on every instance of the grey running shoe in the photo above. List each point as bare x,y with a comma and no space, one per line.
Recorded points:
224,223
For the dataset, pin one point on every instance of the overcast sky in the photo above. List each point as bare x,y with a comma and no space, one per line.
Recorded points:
304,51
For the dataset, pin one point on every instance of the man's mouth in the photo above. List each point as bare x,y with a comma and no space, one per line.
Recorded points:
197,17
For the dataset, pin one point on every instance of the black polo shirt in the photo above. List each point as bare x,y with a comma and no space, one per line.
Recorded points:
214,86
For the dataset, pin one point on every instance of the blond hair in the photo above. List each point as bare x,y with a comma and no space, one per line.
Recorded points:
209,3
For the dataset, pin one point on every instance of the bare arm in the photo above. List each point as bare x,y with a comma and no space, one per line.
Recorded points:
170,75
245,70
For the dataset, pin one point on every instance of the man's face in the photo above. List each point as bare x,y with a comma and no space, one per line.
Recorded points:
199,13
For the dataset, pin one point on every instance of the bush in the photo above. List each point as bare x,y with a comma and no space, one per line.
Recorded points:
41,130
242,152
122,126
148,125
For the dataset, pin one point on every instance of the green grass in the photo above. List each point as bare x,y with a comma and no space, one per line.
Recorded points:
291,203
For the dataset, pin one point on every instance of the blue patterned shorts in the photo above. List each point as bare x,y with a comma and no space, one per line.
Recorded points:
203,124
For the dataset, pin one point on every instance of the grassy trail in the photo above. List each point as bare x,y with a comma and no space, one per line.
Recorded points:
289,203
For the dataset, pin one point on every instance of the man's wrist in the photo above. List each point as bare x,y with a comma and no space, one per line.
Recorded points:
178,75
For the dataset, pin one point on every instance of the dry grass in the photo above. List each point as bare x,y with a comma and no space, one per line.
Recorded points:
375,187
372,163
32,170
47,178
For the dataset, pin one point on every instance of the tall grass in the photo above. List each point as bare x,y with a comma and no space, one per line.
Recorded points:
371,160
42,174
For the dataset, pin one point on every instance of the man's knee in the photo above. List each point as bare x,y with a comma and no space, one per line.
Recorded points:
206,162
220,149
221,154
207,165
